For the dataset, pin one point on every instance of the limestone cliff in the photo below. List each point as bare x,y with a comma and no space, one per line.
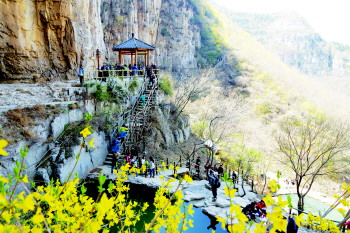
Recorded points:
50,38
52,131
165,24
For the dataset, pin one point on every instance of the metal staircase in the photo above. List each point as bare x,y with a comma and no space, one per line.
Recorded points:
137,119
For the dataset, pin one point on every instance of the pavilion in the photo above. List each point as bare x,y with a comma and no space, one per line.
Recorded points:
134,47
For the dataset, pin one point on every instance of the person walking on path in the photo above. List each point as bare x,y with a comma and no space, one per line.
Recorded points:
214,182
152,167
115,145
197,164
143,164
292,227
134,70
81,75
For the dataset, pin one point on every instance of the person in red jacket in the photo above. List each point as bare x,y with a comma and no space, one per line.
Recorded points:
262,206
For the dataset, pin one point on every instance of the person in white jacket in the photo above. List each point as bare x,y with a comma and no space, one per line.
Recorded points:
152,167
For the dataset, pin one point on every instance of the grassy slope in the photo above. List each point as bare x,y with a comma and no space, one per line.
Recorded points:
274,92
286,78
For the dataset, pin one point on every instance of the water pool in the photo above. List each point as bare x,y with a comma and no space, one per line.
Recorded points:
315,207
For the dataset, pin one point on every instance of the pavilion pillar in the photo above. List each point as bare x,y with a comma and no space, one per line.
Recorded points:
148,57
120,58
132,58
135,57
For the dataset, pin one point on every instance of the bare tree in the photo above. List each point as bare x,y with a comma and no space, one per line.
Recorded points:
189,89
190,156
211,132
311,147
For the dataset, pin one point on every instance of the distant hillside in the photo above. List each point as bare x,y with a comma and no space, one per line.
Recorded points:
294,41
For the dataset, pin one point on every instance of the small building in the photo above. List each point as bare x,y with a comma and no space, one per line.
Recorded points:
134,48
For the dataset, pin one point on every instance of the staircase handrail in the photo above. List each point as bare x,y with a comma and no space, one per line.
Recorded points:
133,109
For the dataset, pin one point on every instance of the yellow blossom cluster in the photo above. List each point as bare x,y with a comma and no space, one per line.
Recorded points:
65,207
320,224
237,222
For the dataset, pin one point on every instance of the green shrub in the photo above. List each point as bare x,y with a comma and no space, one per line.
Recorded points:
166,85
102,94
212,48
133,86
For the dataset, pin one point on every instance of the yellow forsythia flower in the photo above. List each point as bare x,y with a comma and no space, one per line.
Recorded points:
188,178
3,144
4,180
259,229
3,200
85,132
25,179
230,192
6,216
91,143
27,204
38,218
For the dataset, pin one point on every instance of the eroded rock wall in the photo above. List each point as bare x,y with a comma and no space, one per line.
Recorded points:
165,24
52,134
167,127
48,154
48,38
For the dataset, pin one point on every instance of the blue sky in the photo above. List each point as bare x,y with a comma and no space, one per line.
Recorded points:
331,19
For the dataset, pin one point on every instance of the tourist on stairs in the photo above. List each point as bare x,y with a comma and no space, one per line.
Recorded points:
122,133
115,151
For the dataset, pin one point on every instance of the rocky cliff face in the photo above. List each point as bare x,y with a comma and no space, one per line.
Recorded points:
50,38
164,24
52,131
296,43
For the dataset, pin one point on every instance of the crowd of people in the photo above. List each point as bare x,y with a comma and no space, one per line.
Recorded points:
255,210
130,70
219,169
122,70
132,156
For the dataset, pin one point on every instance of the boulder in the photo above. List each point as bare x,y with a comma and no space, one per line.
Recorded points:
41,176
200,205
240,201
59,122
89,158
250,196
222,203
214,211
189,196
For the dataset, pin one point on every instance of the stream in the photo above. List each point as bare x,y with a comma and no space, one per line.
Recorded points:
142,193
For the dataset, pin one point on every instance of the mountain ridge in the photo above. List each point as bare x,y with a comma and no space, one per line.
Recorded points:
289,36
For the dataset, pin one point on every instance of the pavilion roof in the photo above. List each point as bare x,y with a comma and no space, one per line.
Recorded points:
133,43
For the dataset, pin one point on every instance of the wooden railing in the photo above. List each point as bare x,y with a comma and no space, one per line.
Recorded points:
106,75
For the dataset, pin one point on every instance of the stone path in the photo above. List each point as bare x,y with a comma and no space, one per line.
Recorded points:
19,95
197,193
